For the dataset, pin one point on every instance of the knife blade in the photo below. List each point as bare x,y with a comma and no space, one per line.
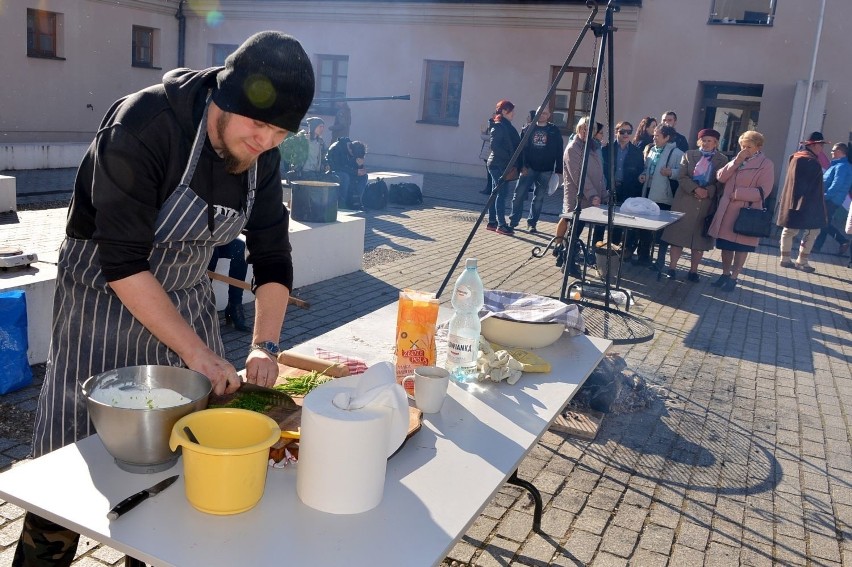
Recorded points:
135,499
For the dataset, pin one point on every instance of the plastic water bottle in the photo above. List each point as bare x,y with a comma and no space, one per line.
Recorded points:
463,335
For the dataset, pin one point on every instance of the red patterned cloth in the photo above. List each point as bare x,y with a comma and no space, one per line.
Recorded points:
355,365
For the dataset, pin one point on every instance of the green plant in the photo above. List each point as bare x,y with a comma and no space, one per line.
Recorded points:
294,149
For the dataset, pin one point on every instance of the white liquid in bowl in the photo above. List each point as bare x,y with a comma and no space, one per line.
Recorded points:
139,398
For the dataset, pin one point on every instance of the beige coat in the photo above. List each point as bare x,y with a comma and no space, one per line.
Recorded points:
595,186
741,189
688,231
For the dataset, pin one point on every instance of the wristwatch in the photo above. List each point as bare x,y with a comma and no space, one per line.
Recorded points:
268,347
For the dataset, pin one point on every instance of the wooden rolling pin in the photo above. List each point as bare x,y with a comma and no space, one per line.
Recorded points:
308,362
247,286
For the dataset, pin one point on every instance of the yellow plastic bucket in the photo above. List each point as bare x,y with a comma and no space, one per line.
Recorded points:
225,472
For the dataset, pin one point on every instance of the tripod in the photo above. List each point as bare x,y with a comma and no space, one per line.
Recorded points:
604,321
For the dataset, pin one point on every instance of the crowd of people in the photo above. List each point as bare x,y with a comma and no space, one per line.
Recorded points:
656,162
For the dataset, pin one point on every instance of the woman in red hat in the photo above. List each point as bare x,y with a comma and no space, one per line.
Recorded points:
696,198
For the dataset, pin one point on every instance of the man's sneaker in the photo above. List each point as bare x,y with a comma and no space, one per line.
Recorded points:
491,226
505,230
844,248
531,228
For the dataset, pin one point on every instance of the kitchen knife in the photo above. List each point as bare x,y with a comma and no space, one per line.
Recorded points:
134,500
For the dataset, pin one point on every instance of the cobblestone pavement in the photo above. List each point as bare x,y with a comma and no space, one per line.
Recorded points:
743,458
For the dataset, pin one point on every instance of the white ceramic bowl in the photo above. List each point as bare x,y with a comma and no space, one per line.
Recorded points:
522,334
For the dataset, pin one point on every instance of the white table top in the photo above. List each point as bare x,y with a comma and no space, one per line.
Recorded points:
598,215
435,488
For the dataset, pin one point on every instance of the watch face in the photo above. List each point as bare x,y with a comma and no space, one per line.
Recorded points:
267,346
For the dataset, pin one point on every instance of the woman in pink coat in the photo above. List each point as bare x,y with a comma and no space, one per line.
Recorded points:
742,177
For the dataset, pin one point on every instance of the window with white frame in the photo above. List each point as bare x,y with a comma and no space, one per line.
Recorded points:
442,92
743,12
43,39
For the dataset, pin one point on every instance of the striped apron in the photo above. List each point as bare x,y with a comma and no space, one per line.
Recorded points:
92,330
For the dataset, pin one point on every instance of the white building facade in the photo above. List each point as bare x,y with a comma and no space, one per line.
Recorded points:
728,64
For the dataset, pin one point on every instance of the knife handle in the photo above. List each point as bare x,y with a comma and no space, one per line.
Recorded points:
127,504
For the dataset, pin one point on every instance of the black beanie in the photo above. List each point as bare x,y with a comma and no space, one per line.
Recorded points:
268,78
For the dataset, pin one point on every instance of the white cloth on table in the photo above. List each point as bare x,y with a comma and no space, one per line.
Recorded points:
519,306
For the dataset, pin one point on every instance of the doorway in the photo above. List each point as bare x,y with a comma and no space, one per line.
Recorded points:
730,109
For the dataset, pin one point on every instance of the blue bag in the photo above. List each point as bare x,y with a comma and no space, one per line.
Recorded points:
15,370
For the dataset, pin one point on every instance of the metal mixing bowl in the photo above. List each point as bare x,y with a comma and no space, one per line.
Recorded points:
138,439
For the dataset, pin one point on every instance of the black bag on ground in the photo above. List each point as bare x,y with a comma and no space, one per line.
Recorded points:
375,195
752,221
405,194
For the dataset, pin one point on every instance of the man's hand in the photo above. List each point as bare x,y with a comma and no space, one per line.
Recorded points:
701,192
261,368
219,371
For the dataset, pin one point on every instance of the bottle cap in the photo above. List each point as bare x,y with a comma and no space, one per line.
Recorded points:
470,263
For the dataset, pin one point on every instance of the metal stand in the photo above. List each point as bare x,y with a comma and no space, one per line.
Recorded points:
536,496
605,320
589,25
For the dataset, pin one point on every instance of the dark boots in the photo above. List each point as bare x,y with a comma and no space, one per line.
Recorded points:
234,314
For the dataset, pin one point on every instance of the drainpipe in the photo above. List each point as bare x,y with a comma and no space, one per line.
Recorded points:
813,69
182,33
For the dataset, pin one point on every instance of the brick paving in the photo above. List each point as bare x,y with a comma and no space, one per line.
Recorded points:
744,457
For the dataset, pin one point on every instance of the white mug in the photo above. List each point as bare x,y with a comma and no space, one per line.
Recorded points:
430,387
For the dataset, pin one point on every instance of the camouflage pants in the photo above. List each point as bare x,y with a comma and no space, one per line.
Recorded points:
44,544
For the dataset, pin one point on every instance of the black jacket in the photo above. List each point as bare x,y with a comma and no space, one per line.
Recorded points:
544,148
634,165
504,141
339,158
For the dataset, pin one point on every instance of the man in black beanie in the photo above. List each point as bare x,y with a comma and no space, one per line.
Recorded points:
175,170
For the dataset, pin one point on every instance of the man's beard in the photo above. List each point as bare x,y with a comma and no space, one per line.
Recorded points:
233,164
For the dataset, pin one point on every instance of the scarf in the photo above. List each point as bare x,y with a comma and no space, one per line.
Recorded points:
654,154
703,169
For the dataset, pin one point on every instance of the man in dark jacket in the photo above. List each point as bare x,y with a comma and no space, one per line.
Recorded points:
174,171
802,204
629,165
669,118
346,161
542,158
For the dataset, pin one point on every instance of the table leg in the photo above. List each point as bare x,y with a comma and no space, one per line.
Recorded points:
131,562
536,496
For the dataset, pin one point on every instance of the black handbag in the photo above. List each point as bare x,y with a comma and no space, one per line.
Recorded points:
754,222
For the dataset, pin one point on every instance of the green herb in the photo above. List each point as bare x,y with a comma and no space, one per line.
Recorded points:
301,385
253,402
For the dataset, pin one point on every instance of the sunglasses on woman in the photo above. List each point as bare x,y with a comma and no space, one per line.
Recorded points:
625,132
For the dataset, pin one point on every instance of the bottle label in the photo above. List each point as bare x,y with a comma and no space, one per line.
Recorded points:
460,350
463,292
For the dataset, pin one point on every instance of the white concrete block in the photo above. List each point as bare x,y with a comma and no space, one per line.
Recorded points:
38,283
321,251
8,194
42,156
